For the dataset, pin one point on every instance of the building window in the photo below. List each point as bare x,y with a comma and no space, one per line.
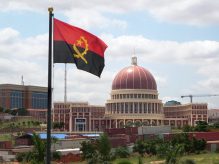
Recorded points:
136,107
145,108
126,107
149,108
140,107
16,98
122,108
39,100
131,107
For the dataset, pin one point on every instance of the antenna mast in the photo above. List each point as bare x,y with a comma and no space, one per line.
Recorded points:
22,80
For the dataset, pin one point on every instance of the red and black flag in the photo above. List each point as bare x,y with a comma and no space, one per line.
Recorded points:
75,45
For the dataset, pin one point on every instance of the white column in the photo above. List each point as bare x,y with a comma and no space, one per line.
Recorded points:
147,105
70,121
89,121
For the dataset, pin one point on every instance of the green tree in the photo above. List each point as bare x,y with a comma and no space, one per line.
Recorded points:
24,123
216,125
22,112
7,110
201,126
12,127
98,151
188,128
104,148
198,145
172,153
89,152
56,155
36,156
183,139
139,147
28,123
1,109
39,148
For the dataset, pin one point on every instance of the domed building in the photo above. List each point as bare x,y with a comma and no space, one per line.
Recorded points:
134,98
133,102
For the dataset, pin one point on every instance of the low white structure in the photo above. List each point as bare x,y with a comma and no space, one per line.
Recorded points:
154,130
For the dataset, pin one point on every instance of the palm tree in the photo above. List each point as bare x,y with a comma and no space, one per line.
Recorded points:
104,148
39,148
36,156
173,152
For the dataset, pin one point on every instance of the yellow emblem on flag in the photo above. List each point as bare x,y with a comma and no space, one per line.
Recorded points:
79,54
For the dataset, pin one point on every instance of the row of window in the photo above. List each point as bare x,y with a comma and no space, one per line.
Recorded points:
199,107
134,108
139,96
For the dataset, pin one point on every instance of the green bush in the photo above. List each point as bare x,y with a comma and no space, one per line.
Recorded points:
124,161
140,161
188,161
122,152
20,156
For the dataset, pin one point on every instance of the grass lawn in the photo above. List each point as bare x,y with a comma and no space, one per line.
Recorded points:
5,137
208,158
134,159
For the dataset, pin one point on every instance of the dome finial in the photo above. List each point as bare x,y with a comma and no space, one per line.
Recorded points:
134,60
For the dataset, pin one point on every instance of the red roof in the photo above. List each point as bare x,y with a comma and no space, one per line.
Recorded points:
134,77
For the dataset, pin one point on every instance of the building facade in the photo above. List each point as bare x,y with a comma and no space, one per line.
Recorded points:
78,116
177,114
38,114
213,115
21,96
133,102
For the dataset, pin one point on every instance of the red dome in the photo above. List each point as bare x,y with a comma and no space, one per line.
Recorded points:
134,77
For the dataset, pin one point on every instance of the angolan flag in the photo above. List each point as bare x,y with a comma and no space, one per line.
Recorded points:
75,45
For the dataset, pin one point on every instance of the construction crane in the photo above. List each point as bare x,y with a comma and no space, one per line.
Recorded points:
191,96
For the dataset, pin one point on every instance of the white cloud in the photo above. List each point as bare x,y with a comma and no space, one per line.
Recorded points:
87,18
13,46
193,52
8,35
195,12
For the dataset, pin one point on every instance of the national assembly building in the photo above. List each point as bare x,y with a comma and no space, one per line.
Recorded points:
134,101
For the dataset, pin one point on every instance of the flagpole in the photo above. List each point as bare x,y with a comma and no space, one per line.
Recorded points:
49,102
65,94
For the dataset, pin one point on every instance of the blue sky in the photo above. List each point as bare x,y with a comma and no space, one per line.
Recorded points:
177,41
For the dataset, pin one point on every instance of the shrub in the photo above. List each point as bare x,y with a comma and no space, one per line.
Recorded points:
124,161
122,152
188,161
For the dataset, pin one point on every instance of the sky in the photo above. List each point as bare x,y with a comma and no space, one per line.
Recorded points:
177,41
